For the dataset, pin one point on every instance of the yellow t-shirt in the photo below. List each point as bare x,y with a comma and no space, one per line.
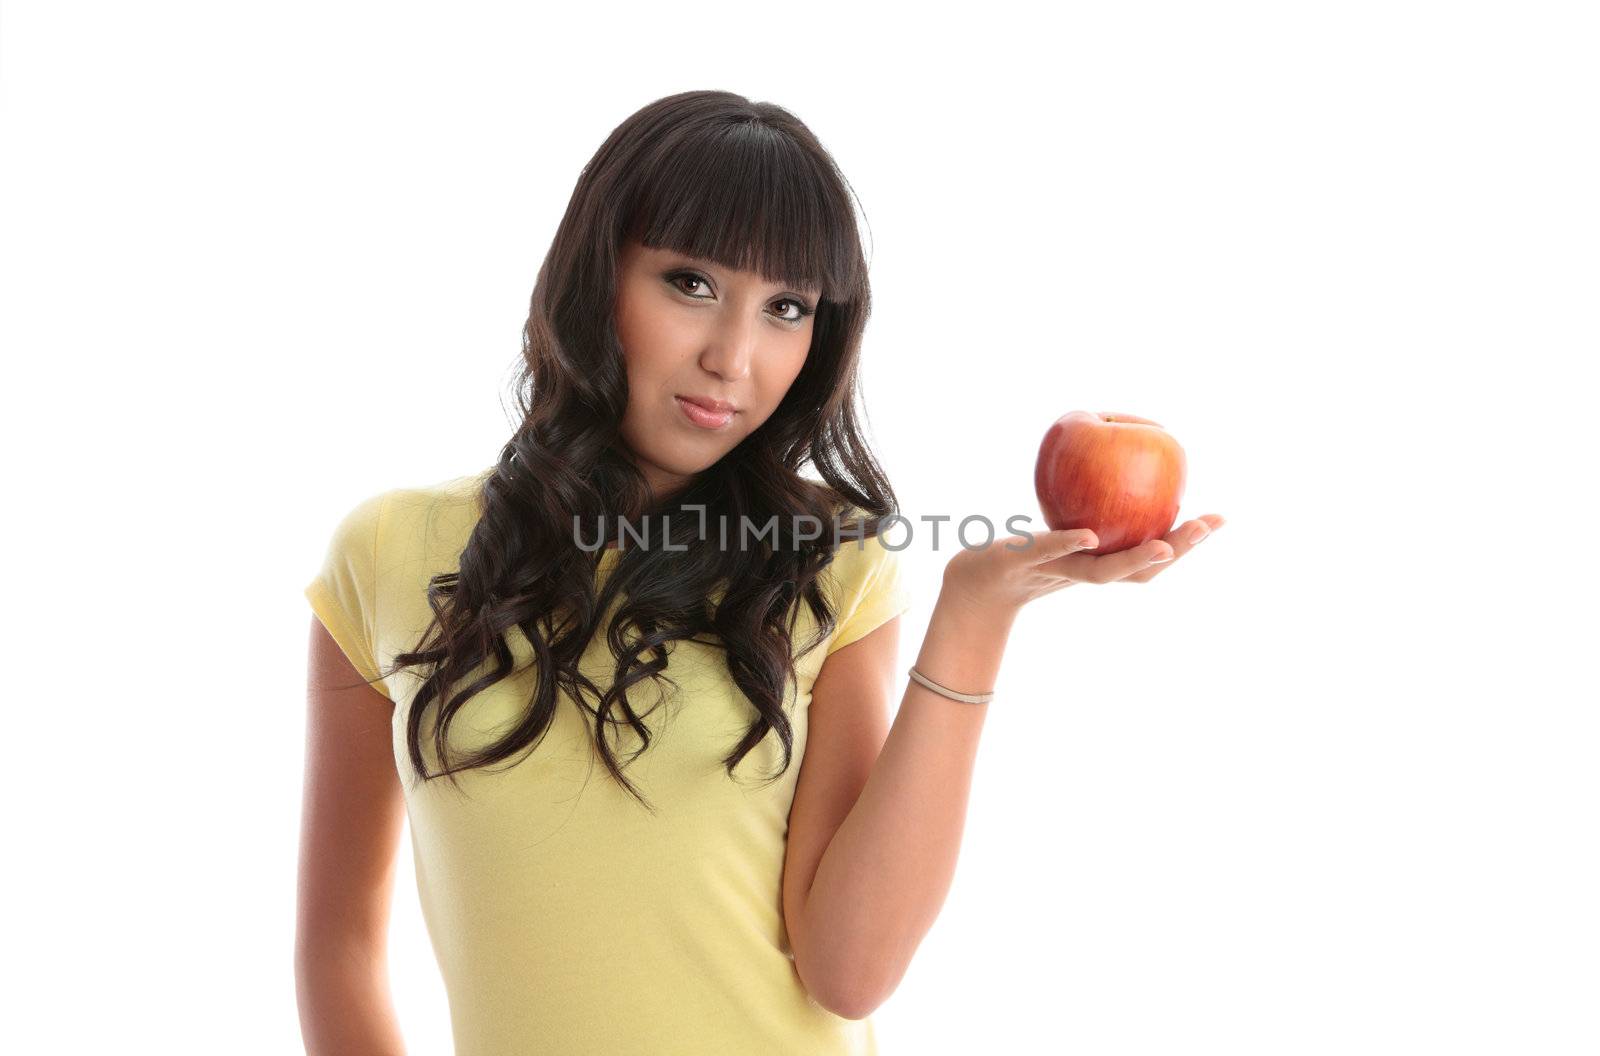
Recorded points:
567,919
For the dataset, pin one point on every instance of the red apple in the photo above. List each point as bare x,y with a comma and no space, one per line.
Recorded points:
1116,474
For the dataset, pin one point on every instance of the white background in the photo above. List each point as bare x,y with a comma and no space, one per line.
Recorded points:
1327,785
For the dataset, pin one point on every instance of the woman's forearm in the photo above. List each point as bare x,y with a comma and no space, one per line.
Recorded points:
343,993
881,882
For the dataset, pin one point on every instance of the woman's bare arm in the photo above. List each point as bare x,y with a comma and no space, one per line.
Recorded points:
351,817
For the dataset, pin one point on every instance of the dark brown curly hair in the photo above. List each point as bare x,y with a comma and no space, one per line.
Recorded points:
746,185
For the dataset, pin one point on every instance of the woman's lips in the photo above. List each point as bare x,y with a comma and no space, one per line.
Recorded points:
703,418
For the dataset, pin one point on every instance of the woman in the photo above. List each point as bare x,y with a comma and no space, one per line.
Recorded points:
765,854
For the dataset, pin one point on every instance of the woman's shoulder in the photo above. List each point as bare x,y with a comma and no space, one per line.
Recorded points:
393,502
868,581
860,552
459,490
430,522
838,506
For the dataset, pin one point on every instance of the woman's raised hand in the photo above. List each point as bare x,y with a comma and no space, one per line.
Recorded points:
1009,573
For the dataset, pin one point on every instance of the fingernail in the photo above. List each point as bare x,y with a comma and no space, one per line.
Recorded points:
1160,559
1199,535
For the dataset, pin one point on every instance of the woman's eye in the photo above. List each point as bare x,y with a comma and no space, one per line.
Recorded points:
801,311
689,276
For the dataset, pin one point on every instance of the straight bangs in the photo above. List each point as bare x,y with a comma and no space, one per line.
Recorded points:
750,198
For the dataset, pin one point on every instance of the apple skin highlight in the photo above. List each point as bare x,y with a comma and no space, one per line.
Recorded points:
1119,475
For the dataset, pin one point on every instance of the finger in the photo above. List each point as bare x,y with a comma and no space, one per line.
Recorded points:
1188,534
1107,568
1048,546
1182,539
1152,557
1154,561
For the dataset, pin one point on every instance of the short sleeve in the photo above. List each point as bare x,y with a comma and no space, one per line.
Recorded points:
344,592
873,591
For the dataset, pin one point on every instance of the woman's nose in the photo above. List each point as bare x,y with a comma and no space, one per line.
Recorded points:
728,351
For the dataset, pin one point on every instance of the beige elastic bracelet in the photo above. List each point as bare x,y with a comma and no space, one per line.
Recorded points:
965,698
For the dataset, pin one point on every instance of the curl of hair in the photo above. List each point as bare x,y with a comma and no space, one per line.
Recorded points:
745,184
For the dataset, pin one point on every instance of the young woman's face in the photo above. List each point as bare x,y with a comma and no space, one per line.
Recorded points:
694,331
